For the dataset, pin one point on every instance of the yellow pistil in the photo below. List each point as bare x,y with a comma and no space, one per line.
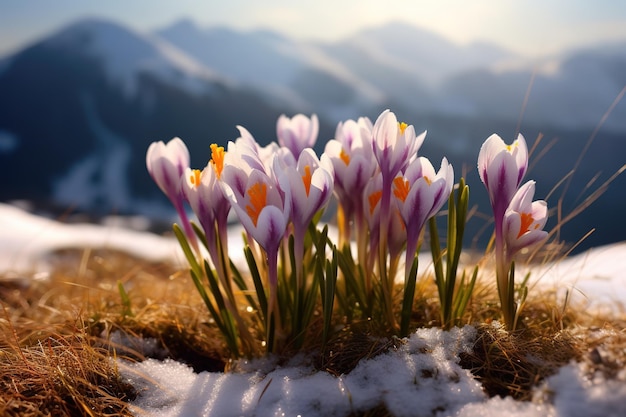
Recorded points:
194,178
402,126
217,157
510,147
428,181
526,221
258,200
306,179
373,199
344,157
401,189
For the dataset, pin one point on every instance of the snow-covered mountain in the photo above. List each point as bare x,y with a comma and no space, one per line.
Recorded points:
423,55
126,54
299,73
82,105
572,90
401,65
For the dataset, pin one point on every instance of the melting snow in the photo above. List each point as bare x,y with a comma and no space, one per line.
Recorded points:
421,377
8,142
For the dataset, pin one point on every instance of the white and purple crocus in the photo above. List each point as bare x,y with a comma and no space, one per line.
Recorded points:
166,164
518,220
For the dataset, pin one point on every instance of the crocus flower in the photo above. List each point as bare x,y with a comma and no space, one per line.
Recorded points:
352,156
420,193
198,188
166,164
501,168
524,220
394,144
261,209
311,183
311,186
353,161
297,133
264,212
240,160
207,200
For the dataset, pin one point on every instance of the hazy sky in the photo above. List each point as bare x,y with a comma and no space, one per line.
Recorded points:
532,27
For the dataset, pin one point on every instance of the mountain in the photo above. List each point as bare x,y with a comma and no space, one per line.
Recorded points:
80,108
300,74
573,90
423,55
395,64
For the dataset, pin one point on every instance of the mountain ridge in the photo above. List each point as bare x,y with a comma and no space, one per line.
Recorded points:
63,112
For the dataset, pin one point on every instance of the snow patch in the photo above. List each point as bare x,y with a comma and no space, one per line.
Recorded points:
26,240
5,63
126,54
9,142
593,280
419,378
101,177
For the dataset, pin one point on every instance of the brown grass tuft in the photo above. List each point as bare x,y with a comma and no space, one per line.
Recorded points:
60,376
60,332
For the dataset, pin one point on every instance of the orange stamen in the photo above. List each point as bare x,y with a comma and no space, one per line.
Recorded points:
258,200
402,126
373,199
306,179
401,189
344,157
217,157
194,178
526,221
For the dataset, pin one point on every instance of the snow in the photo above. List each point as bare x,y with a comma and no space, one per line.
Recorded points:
175,391
8,142
595,278
26,240
278,63
126,54
102,176
420,377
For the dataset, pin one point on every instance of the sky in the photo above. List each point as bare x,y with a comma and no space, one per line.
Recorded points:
529,27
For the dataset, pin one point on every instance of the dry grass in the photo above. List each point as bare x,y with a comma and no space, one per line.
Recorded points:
60,376
58,332
58,335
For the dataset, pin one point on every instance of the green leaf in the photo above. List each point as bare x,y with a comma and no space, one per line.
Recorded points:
407,301
127,310
257,281
184,244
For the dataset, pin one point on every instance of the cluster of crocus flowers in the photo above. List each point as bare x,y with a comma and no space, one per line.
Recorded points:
518,220
275,191
386,195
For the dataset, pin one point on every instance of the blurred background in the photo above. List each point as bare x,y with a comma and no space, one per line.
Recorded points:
86,86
